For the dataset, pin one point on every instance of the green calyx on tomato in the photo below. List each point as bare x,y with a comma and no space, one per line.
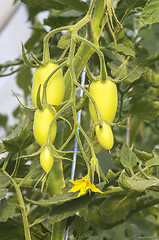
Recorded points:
46,159
55,88
105,136
105,96
42,120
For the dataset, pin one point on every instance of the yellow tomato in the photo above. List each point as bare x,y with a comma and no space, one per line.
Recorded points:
105,136
105,96
42,120
55,89
46,159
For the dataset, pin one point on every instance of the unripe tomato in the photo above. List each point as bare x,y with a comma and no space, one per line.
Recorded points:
42,120
105,96
55,88
46,159
105,136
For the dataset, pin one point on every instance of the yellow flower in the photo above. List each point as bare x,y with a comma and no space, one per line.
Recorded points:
83,185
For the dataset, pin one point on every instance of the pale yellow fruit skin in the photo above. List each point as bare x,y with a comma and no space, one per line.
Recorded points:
55,89
42,120
46,160
105,136
105,96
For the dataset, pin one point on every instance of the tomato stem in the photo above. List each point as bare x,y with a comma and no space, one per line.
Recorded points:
22,207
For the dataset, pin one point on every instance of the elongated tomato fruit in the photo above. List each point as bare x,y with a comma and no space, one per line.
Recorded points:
105,96
42,120
46,159
105,136
55,89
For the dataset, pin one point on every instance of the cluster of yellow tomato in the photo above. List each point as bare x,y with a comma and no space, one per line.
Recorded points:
42,118
104,94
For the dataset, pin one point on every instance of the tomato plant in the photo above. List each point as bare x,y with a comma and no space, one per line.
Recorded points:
82,160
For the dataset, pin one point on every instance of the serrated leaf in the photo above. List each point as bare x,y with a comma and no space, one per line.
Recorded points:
6,210
128,158
56,200
152,162
20,138
117,208
142,155
150,13
139,185
121,48
68,209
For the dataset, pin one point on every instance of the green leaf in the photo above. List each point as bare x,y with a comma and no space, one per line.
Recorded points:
145,109
116,208
132,231
123,181
111,176
20,138
128,71
64,41
56,200
36,38
77,5
150,13
142,155
3,120
59,21
68,209
147,238
121,48
15,231
38,220
6,210
128,158
152,162
139,185
44,4
3,193
149,35
2,148
79,225
24,80
4,180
